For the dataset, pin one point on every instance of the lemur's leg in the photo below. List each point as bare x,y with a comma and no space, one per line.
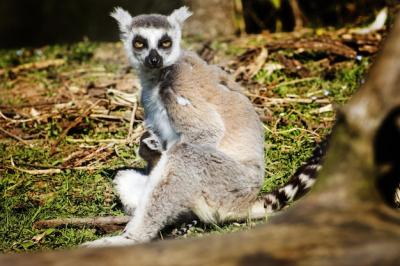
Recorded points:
130,186
188,178
163,200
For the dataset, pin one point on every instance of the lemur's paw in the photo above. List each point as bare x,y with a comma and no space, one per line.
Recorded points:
112,241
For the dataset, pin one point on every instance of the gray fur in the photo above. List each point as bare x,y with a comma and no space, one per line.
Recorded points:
213,162
152,27
151,21
211,159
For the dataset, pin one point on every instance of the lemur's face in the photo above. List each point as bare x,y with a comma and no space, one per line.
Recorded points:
151,41
152,47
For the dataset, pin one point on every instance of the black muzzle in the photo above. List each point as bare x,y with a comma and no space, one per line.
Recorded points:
153,60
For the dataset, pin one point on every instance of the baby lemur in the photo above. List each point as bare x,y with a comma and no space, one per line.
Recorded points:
205,134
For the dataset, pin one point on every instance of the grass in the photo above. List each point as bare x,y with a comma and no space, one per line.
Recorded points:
26,198
291,131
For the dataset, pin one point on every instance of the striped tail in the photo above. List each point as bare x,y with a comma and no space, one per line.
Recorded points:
298,185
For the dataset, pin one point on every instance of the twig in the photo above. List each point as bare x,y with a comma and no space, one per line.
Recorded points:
35,172
35,66
291,82
107,224
93,154
323,45
31,105
132,121
71,156
76,122
272,101
253,67
51,171
121,98
107,117
13,136
120,141
291,130
135,135
13,120
323,109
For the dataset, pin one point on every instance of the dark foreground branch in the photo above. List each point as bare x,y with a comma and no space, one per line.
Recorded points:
344,221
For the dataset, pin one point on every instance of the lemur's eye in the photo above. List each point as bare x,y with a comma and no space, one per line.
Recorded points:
166,44
138,44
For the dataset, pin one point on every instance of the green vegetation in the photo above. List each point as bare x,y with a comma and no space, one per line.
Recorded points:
52,135
293,129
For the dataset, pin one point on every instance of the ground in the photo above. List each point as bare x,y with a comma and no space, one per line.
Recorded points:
66,121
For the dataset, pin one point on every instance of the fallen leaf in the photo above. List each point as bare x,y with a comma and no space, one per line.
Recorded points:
39,237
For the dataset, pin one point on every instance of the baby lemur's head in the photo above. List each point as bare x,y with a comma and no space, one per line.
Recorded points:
151,41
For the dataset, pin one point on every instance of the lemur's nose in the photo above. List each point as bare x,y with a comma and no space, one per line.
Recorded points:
153,60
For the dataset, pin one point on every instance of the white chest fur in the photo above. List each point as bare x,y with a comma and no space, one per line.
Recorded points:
156,117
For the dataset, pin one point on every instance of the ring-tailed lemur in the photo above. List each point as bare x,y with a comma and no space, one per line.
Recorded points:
206,135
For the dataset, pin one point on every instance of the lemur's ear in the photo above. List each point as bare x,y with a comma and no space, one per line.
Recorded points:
124,20
180,15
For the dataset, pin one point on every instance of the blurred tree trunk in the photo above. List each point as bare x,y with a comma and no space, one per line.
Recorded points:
297,15
211,18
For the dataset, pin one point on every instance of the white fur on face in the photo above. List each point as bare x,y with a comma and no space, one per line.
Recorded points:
153,36
124,20
179,15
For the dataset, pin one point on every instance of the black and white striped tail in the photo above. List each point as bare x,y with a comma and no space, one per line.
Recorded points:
298,185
